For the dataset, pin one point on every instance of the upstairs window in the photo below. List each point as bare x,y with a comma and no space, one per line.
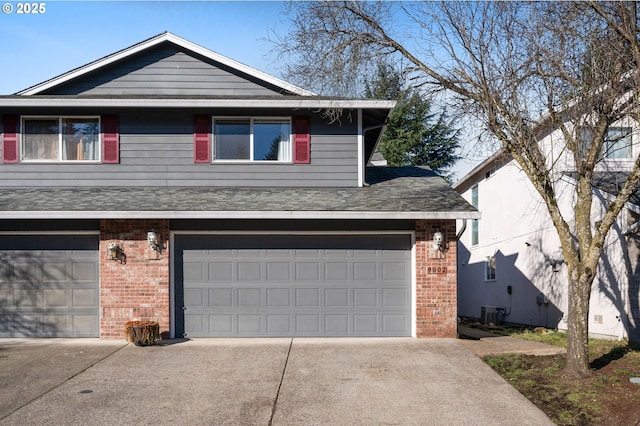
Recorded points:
60,139
474,222
252,139
617,145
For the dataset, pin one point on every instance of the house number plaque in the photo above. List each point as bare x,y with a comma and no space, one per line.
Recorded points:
436,270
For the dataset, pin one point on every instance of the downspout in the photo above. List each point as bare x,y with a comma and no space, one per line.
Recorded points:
461,231
361,163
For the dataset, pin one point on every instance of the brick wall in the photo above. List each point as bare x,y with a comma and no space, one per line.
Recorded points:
136,288
436,286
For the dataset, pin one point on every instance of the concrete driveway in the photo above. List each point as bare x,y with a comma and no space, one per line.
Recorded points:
254,382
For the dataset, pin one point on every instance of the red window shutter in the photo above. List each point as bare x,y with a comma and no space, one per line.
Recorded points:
110,139
10,138
301,140
201,141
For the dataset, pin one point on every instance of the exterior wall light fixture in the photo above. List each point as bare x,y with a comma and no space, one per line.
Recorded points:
154,240
438,241
116,253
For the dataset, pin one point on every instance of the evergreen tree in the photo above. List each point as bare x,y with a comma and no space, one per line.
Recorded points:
414,135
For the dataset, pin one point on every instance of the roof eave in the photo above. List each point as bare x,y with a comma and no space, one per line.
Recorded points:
311,215
109,102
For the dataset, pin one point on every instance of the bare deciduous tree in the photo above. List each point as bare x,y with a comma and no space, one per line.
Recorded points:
520,69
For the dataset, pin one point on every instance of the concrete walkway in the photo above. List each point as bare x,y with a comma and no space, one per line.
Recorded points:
254,382
484,344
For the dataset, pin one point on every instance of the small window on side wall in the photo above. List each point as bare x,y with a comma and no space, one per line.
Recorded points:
490,268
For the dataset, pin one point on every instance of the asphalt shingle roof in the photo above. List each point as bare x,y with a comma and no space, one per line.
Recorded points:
391,189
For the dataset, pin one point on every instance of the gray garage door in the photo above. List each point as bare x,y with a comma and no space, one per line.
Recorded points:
49,286
302,285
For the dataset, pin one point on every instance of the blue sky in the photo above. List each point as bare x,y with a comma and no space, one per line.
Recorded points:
36,47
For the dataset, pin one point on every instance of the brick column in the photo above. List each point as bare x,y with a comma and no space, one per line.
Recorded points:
136,288
436,280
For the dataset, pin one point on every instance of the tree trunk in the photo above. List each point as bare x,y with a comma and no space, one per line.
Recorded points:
578,325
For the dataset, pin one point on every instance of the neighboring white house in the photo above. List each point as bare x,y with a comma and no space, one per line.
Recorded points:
510,263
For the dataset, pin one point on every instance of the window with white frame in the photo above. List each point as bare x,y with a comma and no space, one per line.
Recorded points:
490,268
618,143
60,139
252,139
474,222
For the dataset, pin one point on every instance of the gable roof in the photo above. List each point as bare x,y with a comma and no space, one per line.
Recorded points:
155,41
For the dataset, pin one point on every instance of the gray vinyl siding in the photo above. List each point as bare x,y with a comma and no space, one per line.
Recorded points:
156,149
165,71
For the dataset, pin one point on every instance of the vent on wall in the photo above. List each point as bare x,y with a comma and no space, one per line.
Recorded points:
489,314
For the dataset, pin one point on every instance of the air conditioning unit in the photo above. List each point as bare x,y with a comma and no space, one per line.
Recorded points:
489,314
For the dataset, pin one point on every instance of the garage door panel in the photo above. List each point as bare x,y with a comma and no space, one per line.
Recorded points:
221,324
395,297
365,297
194,297
307,271
308,324
278,297
278,271
278,324
249,297
248,271
250,324
26,271
85,272
25,298
220,271
393,323
53,324
295,285
394,271
336,271
221,297
85,325
194,322
307,297
193,271
336,297
56,298
336,324
365,324
84,298
365,271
